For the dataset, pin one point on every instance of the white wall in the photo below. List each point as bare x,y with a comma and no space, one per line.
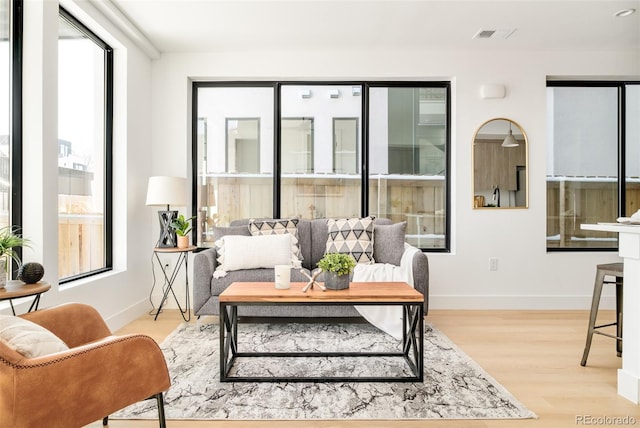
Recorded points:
120,295
527,276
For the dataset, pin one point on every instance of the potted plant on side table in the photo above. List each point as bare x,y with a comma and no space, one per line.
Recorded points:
337,268
9,241
182,226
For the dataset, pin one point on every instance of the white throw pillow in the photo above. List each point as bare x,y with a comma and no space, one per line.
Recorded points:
28,338
237,252
278,227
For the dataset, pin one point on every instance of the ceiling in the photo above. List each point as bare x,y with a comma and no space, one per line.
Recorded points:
317,25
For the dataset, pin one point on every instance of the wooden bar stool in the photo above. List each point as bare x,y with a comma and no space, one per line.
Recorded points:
605,270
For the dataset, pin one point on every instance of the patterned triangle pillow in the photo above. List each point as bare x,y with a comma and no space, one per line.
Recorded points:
351,236
278,227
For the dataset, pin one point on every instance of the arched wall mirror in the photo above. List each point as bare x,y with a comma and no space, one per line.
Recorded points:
500,165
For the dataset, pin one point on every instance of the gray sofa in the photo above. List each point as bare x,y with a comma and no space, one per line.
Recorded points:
312,238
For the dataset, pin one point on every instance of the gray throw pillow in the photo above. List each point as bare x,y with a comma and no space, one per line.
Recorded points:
219,232
388,242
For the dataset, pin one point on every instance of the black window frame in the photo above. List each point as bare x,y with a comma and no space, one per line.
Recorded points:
621,144
364,161
15,111
108,146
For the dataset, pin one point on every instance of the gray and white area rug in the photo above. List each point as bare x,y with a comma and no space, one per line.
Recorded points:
454,386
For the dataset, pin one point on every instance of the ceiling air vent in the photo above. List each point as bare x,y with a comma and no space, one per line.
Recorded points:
493,34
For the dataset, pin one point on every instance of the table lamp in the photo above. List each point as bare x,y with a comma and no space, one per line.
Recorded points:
167,191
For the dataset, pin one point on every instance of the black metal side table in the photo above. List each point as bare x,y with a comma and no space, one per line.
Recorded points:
169,279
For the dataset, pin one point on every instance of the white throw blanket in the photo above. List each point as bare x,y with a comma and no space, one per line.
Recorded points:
386,318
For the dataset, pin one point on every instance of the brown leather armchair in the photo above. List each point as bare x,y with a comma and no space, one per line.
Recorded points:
97,376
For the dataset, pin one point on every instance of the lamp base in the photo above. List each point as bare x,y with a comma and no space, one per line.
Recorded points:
167,237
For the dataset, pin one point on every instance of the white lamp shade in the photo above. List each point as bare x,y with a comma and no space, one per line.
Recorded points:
167,191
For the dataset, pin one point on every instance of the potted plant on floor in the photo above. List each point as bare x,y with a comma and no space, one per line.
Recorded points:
182,226
337,268
9,241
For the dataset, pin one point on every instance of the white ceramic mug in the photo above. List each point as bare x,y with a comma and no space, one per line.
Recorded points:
283,276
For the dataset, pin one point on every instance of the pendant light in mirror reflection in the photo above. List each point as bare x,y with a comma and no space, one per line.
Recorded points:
500,165
510,140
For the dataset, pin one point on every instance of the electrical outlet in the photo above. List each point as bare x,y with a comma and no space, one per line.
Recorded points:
493,264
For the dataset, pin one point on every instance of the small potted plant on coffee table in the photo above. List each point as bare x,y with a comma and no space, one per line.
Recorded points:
182,226
336,268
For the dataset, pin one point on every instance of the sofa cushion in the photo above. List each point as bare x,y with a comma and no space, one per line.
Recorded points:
351,236
237,252
278,227
388,242
28,338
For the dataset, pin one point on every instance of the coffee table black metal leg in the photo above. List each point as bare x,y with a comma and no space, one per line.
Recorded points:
412,321
223,351
228,339
421,342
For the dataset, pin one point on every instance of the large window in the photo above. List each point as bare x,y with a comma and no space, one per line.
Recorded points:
311,187
407,179
308,156
85,69
5,112
593,173
10,114
229,187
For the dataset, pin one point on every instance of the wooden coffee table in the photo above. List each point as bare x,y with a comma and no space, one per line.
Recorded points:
358,293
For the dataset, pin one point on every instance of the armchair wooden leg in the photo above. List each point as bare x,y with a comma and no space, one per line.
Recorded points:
105,421
161,419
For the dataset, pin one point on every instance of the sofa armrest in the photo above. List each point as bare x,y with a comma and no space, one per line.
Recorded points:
420,268
88,325
204,264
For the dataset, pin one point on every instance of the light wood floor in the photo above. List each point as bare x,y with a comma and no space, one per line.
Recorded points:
534,354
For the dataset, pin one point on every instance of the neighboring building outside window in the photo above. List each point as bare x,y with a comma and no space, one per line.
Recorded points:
297,145
5,112
310,185
593,173
84,150
345,145
315,170
243,145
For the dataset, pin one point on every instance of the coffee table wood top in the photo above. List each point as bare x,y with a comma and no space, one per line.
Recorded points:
358,292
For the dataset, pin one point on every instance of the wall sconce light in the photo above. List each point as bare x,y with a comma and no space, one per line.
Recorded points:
334,93
356,91
305,93
492,90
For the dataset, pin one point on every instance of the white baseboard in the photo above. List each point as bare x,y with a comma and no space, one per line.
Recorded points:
127,315
483,302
